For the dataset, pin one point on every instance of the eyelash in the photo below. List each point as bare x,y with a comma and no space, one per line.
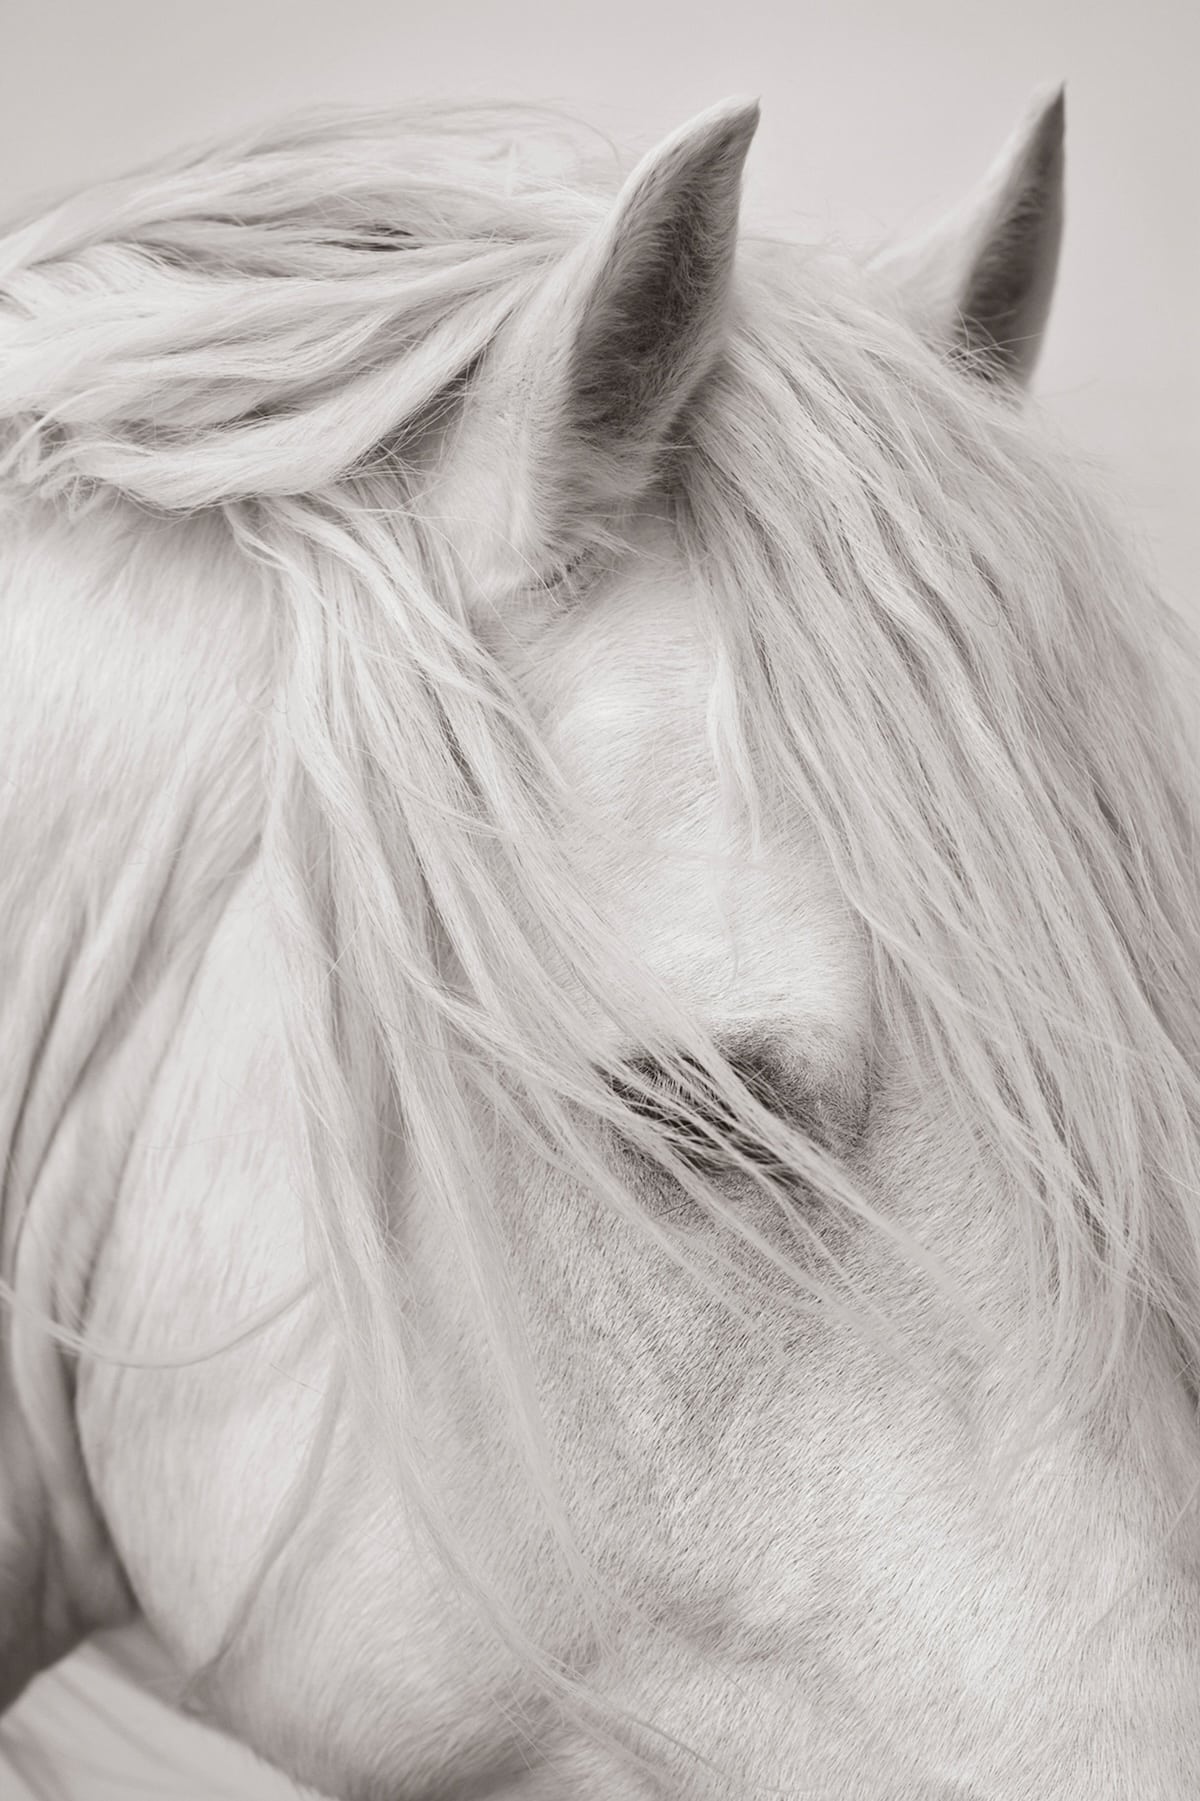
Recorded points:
690,1144
566,574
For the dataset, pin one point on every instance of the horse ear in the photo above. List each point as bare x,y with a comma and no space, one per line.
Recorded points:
572,412
645,305
980,282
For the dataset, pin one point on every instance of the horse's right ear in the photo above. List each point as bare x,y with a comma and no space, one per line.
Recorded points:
644,306
571,412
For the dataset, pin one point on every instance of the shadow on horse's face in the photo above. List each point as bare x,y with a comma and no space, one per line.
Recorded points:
829,1548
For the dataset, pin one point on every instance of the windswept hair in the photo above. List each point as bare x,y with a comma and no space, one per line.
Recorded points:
929,636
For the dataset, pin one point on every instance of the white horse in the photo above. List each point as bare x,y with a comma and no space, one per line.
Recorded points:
600,923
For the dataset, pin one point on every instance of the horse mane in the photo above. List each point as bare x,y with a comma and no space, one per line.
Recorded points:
928,630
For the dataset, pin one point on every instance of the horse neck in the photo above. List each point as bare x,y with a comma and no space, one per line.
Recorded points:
131,651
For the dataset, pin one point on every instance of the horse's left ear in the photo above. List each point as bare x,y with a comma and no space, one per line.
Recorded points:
570,414
981,281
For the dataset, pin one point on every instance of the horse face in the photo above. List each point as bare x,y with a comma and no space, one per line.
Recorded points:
826,1549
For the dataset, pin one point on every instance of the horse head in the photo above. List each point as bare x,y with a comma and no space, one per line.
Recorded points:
601,1105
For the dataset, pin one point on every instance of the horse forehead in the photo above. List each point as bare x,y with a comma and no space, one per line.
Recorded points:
747,931
626,675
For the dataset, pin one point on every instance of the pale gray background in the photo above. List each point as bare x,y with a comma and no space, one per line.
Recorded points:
876,114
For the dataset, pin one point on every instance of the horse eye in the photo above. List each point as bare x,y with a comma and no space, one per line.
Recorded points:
565,573
829,1102
679,1109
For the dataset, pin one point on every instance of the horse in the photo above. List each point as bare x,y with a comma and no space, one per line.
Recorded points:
600,1107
